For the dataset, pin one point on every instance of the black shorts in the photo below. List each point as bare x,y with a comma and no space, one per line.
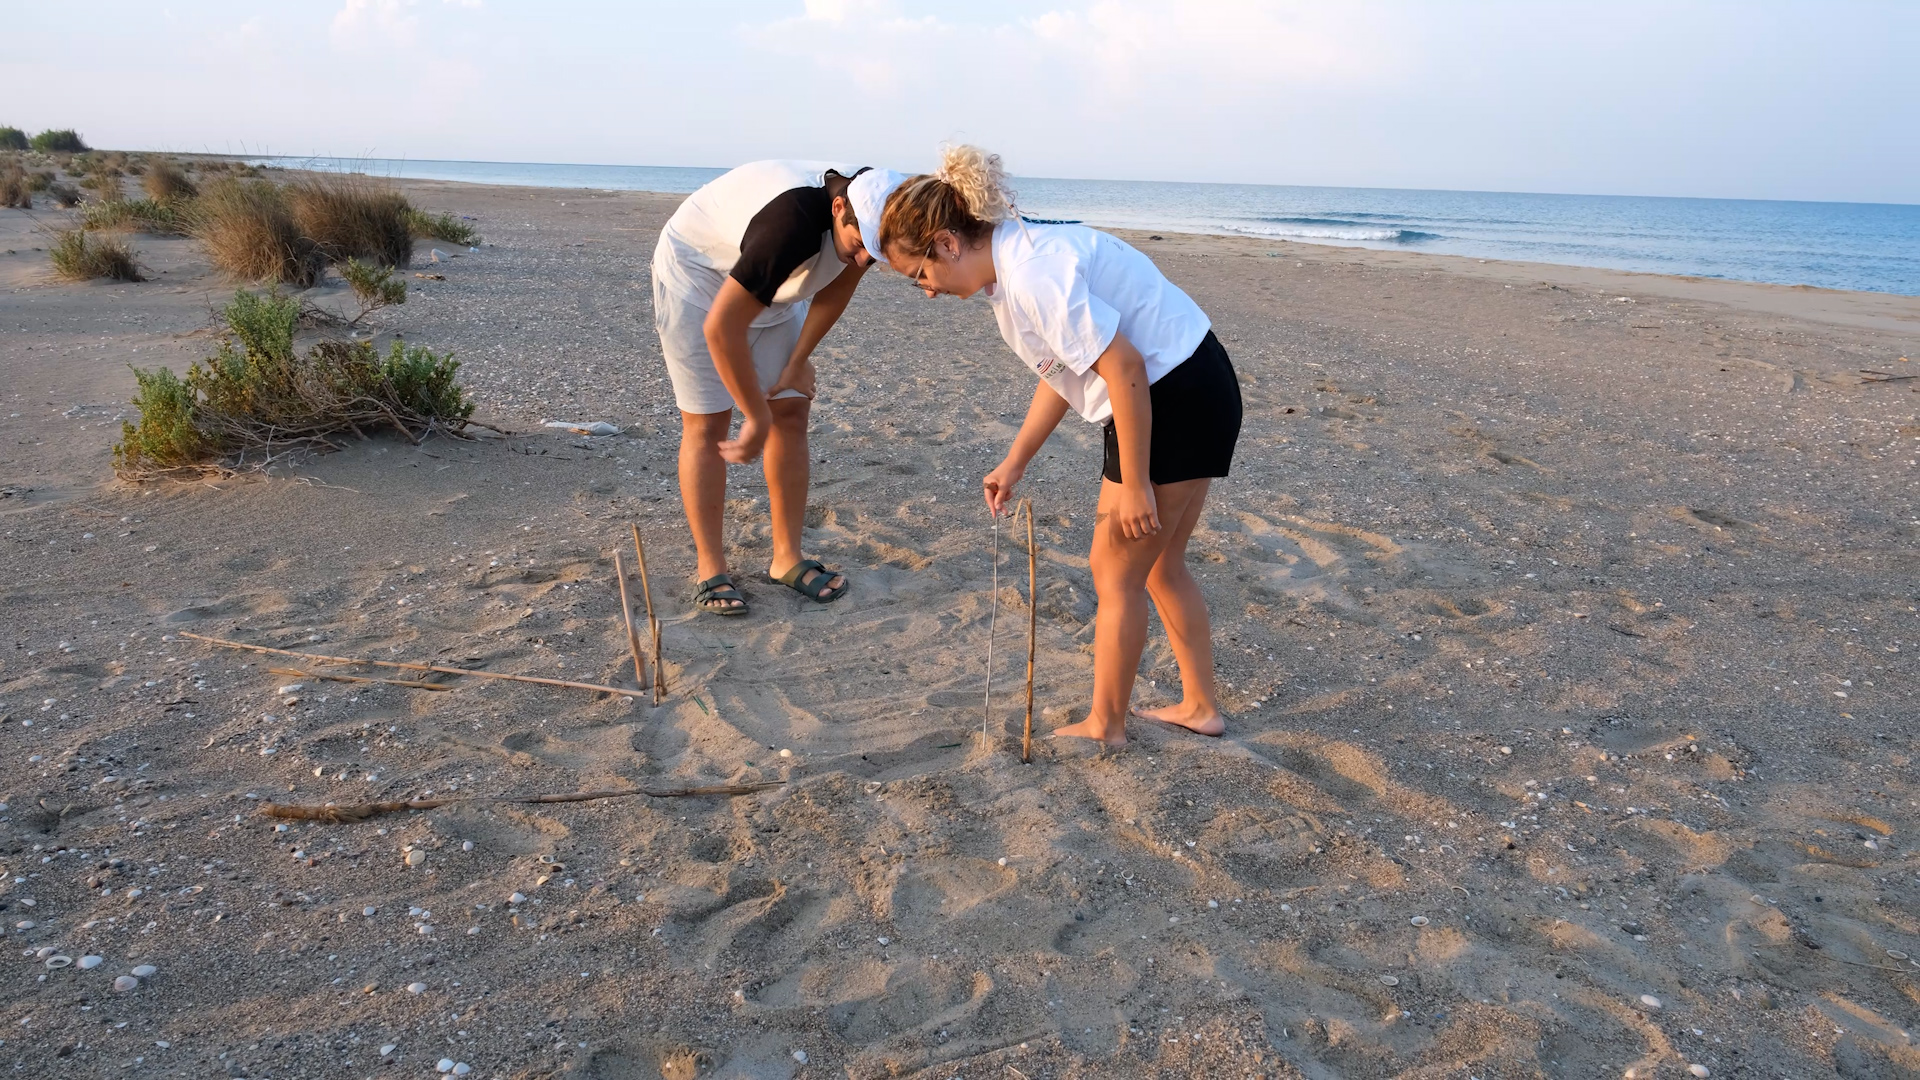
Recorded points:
1196,419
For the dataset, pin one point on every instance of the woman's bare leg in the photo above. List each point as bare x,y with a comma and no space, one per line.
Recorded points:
1184,612
1120,570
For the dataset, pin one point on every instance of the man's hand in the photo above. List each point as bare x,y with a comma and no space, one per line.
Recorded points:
799,378
1136,513
999,484
745,448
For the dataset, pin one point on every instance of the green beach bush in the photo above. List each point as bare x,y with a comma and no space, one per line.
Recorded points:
442,227
12,138
61,141
374,286
79,256
257,398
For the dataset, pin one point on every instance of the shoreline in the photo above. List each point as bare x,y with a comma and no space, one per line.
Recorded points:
1203,232
1891,313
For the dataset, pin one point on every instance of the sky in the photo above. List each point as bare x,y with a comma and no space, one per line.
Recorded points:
1750,99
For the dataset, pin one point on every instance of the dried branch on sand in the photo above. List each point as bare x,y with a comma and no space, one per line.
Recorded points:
363,811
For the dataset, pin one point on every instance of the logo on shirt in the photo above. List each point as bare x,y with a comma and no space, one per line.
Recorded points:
1046,367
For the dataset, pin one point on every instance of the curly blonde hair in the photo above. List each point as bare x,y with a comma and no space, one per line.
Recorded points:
967,195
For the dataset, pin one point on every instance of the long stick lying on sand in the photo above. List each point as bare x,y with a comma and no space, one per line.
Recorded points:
1033,623
296,672
653,624
626,613
409,667
363,811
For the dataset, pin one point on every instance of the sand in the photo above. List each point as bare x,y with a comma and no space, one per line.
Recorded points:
1567,620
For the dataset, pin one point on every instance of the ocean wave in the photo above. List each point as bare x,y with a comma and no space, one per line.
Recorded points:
1334,229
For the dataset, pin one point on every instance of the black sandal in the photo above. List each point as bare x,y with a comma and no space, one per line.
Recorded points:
792,579
719,587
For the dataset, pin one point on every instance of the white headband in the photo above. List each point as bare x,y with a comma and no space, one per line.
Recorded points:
868,196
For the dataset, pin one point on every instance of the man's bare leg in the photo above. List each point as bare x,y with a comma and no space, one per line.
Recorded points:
788,470
703,490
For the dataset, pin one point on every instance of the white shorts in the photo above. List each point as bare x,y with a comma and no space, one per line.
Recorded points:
683,341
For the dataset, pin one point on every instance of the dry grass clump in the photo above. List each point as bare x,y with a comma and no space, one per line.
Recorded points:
146,215
80,256
40,180
165,183
249,231
64,195
104,182
12,138
16,187
353,217
258,399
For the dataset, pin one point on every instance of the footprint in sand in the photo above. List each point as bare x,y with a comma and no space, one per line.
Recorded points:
1314,560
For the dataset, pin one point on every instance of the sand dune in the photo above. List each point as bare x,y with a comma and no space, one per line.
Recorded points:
1567,621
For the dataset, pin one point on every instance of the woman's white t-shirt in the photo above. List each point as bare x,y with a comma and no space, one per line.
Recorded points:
1063,291
701,243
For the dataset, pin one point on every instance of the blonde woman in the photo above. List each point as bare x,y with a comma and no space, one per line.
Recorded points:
1113,340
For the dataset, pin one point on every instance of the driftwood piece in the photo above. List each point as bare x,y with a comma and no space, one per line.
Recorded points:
362,811
442,669
1033,626
415,684
626,613
653,624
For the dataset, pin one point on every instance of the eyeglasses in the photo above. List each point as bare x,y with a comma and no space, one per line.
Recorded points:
920,275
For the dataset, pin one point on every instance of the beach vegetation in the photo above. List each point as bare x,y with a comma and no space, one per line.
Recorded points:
375,286
78,255
164,182
146,215
40,180
249,232
258,398
104,182
63,194
442,227
352,216
59,141
12,138
16,187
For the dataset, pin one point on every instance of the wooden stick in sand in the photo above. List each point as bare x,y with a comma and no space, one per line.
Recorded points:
363,811
626,613
1033,623
222,642
296,672
653,624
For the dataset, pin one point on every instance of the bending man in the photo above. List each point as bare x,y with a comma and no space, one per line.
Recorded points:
750,273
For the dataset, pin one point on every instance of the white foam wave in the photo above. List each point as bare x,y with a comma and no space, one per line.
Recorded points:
1321,232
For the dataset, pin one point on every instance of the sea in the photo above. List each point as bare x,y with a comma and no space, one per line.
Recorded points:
1873,247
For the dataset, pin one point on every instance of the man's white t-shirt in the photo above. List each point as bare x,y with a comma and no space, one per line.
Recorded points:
701,244
1062,293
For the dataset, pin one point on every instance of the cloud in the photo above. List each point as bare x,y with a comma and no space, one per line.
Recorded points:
363,23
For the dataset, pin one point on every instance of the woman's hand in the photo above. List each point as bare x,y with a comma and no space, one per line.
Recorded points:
798,377
1136,513
999,485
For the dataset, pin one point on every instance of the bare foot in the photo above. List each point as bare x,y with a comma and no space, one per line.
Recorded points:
1088,729
1209,722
